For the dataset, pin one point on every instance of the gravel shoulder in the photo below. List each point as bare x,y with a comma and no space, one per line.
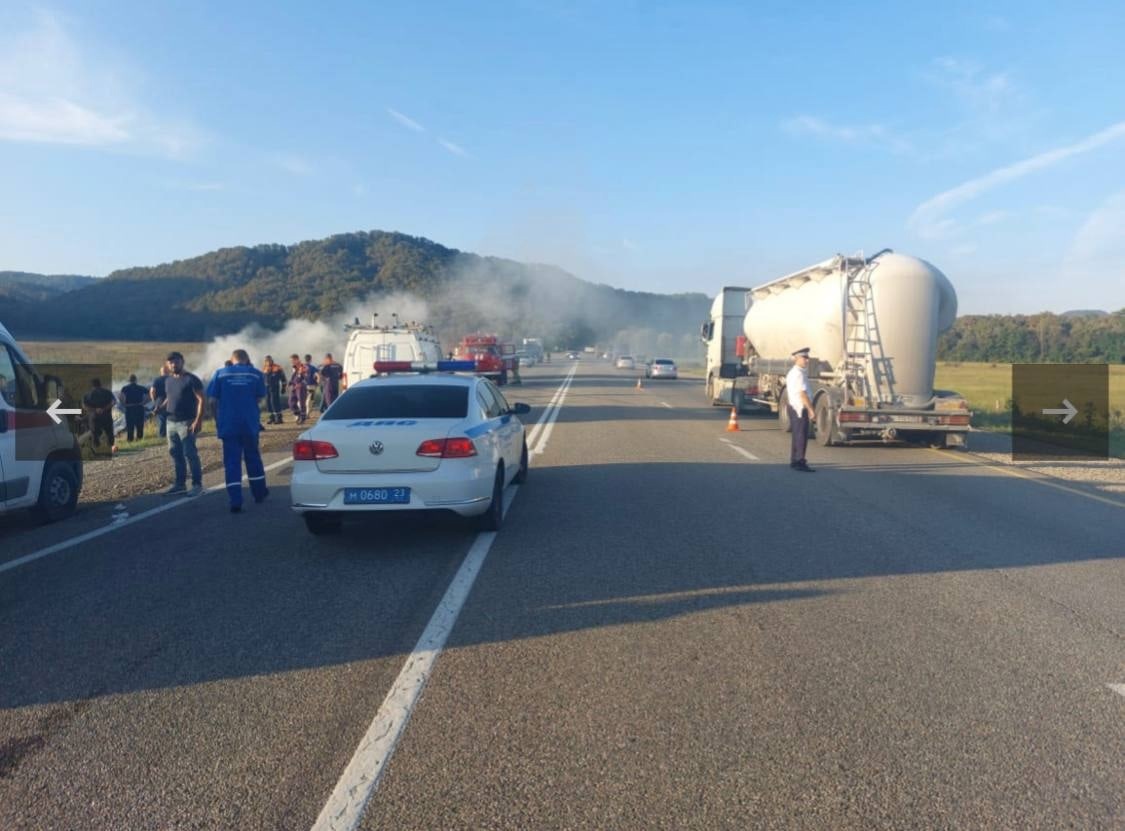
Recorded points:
1105,476
150,470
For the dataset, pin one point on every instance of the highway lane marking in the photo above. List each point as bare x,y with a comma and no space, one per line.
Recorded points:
1117,688
548,420
741,450
175,502
361,777
1036,479
666,404
550,406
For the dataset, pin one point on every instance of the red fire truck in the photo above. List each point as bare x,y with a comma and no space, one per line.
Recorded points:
493,358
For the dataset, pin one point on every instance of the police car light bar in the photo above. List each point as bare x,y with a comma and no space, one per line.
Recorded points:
423,366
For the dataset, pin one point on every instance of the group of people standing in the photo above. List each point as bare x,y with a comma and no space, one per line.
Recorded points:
303,380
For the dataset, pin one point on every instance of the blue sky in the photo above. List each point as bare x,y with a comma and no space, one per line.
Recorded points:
652,146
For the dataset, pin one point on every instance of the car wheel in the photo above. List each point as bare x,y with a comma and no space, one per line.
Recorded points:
58,492
322,524
521,474
493,518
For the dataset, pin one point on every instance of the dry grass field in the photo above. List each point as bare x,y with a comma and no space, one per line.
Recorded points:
142,357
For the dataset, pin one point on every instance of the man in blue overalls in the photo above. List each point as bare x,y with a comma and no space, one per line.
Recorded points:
236,393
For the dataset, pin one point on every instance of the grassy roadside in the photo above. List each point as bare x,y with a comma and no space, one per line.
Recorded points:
988,388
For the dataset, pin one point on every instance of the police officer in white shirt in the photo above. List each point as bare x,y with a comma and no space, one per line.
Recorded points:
800,406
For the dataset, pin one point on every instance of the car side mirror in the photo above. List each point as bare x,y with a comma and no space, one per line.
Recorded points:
521,409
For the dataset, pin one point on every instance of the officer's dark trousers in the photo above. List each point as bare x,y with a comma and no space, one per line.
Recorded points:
800,425
234,450
101,423
135,421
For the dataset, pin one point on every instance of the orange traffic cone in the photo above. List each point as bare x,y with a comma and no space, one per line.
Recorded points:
640,386
732,425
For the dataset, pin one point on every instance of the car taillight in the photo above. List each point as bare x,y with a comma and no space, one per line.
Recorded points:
311,451
456,448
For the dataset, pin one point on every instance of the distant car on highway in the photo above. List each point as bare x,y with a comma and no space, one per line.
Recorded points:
573,356
626,362
408,442
661,368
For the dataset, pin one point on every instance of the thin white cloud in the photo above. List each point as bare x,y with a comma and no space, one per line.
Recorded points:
292,163
875,134
929,219
405,121
455,149
1097,251
54,91
980,90
992,217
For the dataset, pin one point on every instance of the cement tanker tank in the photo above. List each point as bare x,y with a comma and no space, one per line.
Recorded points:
879,317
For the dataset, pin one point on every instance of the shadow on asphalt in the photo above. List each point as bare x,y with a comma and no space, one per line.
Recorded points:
202,595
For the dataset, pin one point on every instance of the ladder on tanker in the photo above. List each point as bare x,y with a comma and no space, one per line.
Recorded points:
867,371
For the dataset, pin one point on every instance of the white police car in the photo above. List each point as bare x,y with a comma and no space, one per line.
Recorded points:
405,442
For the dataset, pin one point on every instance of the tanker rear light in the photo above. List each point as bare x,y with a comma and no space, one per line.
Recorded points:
955,420
846,416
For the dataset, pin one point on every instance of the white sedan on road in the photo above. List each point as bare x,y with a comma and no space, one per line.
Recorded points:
406,442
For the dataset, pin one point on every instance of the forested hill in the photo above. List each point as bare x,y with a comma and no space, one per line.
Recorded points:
220,292
23,287
1074,337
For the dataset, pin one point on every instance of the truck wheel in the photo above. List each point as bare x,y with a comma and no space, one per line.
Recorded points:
783,414
826,434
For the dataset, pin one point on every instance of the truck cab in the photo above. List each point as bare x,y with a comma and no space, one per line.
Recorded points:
493,359
43,472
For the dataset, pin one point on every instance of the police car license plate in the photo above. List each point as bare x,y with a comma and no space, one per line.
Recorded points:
376,496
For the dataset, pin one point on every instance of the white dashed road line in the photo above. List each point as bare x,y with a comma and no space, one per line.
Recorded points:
353,791
741,450
665,404
1117,688
175,502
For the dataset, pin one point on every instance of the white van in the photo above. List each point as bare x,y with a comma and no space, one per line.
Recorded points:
402,342
47,476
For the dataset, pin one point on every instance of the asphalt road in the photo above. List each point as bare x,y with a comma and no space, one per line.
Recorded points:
672,630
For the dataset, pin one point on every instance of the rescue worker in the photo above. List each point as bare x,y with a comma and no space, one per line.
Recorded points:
797,399
133,399
330,375
275,386
237,392
184,403
99,407
311,373
297,389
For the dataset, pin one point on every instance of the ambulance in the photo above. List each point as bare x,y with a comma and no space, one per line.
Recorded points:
40,463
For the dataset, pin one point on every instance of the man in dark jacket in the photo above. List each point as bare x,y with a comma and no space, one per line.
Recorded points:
99,407
133,399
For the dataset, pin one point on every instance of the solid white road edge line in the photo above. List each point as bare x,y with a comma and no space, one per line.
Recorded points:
176,502
353,791
665,404
741,450
1117,688
549,426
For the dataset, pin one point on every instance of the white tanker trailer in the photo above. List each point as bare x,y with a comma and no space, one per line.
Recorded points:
872,326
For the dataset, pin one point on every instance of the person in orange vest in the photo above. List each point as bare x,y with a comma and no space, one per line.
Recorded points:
275,387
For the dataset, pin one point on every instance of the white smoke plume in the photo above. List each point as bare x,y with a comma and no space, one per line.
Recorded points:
311,337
